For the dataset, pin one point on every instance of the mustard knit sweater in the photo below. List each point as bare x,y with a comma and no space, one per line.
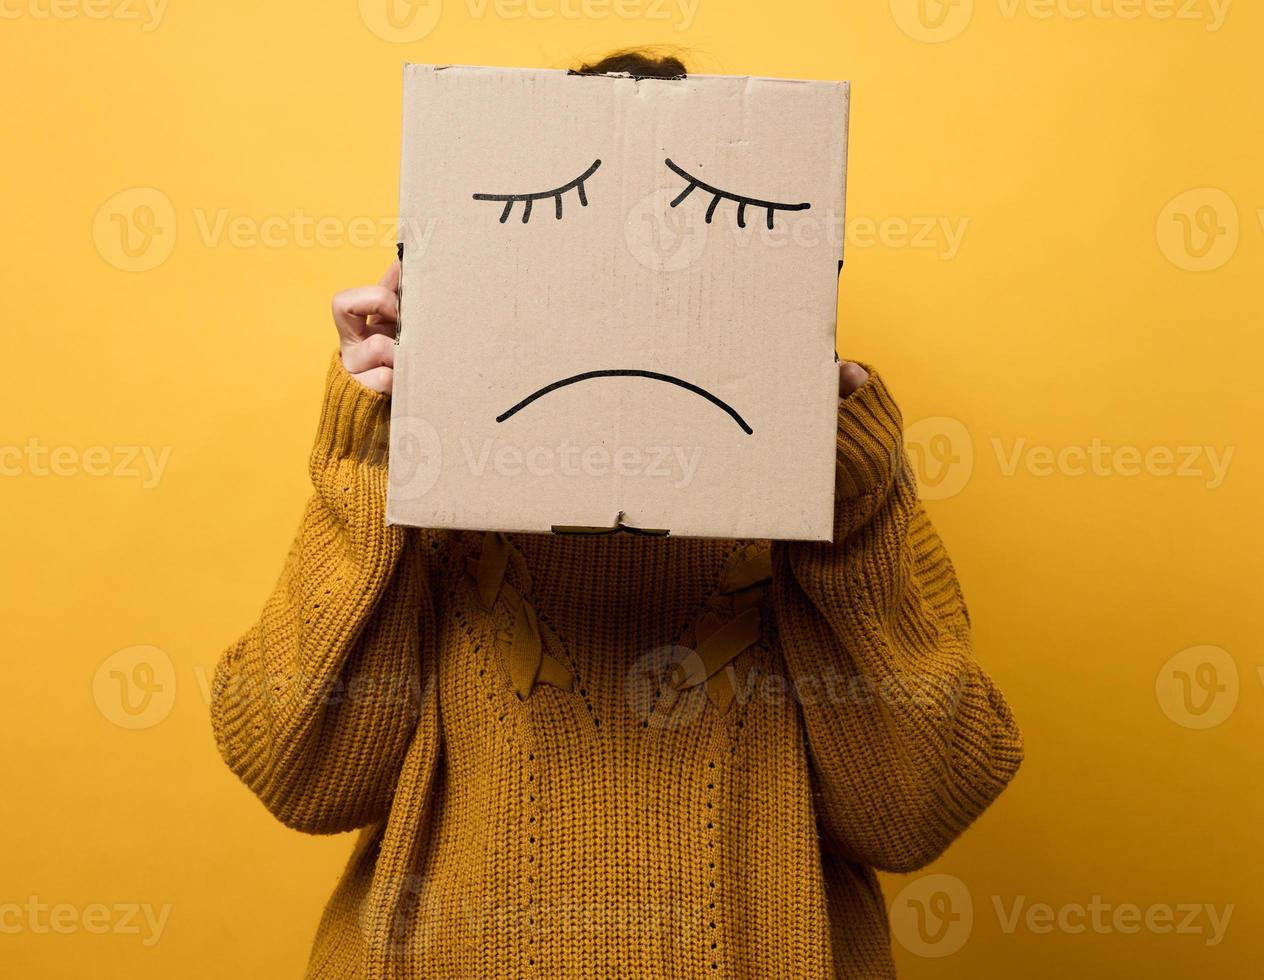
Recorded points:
613,756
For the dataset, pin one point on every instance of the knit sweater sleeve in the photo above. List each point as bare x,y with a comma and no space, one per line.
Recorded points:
909,740
313,707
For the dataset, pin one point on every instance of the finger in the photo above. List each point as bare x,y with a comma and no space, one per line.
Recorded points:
390,278
364,310
850,377
375,351
379,379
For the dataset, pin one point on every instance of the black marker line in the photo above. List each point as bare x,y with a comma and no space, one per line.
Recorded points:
738,199
540,195
689,189
628,373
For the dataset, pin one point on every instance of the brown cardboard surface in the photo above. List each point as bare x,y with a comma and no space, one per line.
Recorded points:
628,361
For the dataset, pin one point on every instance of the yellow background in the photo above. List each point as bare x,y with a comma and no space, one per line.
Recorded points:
1117,606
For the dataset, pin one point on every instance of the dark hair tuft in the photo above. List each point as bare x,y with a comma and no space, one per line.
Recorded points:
638,62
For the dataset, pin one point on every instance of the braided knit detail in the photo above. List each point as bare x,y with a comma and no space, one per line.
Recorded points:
613,756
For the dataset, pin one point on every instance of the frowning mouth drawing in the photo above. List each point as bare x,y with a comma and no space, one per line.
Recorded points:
628,373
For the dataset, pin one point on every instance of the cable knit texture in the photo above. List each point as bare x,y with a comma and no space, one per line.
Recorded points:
613,756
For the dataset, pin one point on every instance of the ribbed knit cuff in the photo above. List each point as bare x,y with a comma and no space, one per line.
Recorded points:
870,438
354,421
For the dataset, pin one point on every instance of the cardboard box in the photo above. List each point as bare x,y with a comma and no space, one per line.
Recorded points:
618,303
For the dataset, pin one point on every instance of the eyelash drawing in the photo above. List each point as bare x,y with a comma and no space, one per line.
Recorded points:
556,194
742,202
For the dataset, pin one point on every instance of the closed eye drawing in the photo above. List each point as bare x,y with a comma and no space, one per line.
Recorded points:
718,195
509,200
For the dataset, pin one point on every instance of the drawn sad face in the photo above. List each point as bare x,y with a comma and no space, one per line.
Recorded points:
601,273
692,183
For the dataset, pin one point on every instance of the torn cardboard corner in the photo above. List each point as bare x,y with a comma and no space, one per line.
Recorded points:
617,304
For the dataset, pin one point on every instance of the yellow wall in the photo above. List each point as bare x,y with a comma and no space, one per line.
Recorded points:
1032,298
